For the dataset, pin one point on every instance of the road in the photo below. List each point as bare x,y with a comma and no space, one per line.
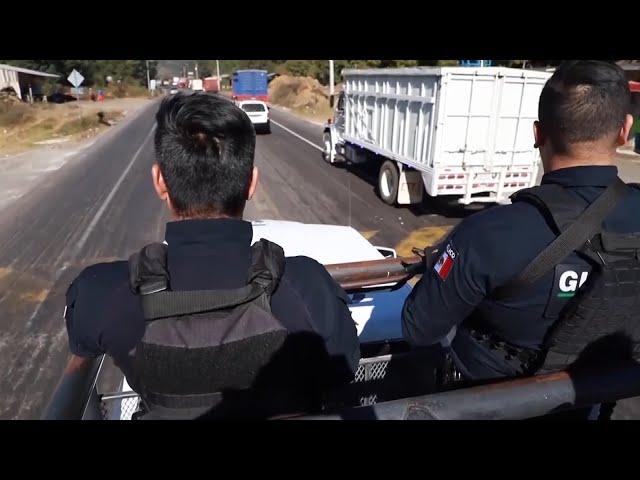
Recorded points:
100,206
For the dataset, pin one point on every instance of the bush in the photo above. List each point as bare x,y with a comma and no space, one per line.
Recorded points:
126,89
12,114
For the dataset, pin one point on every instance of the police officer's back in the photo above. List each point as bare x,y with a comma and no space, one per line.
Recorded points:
483,278
206,322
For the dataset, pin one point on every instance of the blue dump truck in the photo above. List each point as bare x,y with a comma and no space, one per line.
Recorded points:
250,85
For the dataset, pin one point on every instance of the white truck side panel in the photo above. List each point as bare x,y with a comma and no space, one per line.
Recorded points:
468,130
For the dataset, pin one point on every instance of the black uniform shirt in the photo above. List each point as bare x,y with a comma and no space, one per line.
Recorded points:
486,250
104,316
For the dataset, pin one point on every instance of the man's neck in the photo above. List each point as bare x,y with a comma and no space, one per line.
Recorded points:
206,217
580,159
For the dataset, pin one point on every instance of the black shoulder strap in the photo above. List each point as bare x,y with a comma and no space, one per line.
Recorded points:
267,266
558,207
573,237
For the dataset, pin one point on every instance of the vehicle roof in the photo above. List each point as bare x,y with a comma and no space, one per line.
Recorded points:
242,102
326,244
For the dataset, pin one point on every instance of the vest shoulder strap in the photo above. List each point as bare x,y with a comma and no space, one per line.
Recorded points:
558,207
573,237
149,278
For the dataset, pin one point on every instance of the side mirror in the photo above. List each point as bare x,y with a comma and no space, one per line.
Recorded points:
331,100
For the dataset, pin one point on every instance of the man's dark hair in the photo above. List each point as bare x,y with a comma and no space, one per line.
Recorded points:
584,101
205,147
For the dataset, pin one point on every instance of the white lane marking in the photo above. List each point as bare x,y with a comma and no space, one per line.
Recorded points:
299,136
112,193
92,225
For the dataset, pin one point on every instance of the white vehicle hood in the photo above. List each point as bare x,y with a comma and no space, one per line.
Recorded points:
376,314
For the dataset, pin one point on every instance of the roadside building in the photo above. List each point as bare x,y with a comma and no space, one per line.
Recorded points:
26,83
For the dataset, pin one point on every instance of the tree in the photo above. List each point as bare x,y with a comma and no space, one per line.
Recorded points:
94,71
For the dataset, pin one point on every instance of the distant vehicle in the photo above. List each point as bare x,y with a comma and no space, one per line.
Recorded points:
60,97
459,131
211,84
195,84
173,90
250,85
258,112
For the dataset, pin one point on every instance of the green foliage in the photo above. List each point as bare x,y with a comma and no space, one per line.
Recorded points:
95,72
134,72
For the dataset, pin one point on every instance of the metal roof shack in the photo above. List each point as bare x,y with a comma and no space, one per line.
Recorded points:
24,81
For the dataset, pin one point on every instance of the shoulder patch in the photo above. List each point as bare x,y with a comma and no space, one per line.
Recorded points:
445,263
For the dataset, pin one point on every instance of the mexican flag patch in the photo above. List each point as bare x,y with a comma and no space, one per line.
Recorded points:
445,263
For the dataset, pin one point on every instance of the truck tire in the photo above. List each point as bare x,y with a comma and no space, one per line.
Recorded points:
327,153
388,181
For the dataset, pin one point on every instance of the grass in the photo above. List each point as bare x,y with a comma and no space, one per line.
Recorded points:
23,125
84,123
14,114
125,90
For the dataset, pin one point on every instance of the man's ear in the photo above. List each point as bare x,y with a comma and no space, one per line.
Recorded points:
158,182
253,184
539,137
623,134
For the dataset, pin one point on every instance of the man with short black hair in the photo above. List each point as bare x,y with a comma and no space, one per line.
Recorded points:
583,117
199,320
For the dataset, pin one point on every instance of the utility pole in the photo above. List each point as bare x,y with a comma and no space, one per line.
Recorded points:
330,78
148,80
197,70
218,71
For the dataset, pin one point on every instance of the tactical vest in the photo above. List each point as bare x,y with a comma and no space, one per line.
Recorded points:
600,319
207,351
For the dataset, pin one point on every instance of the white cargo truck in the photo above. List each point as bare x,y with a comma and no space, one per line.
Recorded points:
441,130
196,85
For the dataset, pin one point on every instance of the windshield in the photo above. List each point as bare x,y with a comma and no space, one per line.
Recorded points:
253,107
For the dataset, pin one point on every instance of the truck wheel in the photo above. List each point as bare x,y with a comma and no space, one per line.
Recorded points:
388,180
327,154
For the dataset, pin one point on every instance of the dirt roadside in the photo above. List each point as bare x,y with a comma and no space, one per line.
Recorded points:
20,172
25,127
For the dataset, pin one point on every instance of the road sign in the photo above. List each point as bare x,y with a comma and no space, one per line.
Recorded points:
75,78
